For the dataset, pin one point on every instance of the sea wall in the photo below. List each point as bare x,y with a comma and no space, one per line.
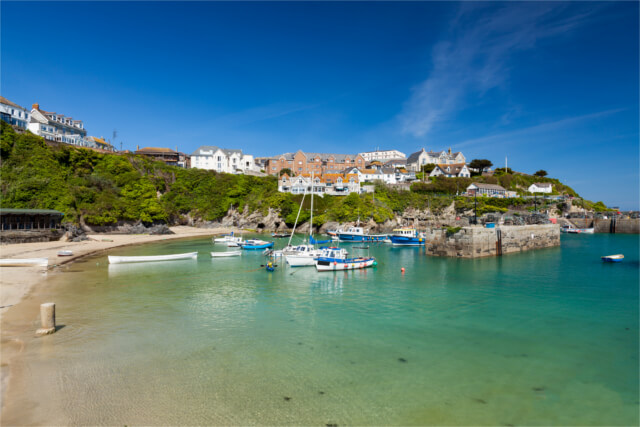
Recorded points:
30,236
617,225
476,242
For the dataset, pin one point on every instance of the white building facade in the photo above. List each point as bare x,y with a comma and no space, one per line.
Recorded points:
420,158
13,113
223,160
385,155
540,187
459,170
57,127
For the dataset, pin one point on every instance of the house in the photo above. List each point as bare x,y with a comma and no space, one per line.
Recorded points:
481,189
420,158
166,155
540,187
13,113
57,127
101,143
331,183
456,170
319,163
382,155
223,160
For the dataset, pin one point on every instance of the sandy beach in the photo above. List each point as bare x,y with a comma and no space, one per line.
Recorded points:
18,282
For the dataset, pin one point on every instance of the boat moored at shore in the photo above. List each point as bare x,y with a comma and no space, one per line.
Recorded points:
152,258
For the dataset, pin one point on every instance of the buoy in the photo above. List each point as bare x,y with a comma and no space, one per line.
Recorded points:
402,270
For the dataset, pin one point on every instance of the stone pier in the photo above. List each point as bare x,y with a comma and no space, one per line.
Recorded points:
477,241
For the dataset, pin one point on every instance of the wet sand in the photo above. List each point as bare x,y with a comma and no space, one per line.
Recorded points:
18,282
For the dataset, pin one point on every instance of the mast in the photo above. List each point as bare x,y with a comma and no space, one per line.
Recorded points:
298,216
311,219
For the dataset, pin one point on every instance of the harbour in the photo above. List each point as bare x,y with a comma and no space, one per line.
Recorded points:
540,337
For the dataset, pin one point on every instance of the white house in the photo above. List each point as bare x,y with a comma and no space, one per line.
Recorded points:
540,187
334,184
481,189
57,127
420,158
458,170
13,113
384,155
223,160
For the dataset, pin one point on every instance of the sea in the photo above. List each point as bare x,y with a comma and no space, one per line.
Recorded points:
546,337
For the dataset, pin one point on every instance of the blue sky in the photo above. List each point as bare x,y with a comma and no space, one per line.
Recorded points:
552,86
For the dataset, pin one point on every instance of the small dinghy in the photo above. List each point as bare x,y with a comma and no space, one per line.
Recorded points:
155,258
613,258
256,244
24,262
333,264
225,254
65,253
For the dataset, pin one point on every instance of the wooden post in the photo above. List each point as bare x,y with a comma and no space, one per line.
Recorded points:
48,318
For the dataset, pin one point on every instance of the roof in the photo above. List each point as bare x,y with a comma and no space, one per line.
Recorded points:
323,156
542,184
7,102
5,211
155,150
413,157
454,168
389,171
488,186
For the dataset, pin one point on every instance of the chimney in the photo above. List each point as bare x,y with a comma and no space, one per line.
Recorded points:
36,106
137,148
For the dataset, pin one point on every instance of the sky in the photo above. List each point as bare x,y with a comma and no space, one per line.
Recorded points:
544,85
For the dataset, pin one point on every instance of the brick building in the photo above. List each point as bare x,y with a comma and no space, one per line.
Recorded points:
318,163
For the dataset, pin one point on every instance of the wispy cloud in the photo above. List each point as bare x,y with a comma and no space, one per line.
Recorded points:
475,56
532,131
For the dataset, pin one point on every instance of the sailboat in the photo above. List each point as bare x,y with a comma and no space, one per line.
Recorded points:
306,254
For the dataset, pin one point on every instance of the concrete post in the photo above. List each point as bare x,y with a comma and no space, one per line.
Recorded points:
48,318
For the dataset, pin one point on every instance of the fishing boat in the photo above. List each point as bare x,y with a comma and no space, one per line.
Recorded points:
335,264
406,237
613,258
253,244
24,262
65,253
225,254
228,239
152,258
357,234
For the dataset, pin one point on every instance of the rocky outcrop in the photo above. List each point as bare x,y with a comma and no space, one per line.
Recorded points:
123,227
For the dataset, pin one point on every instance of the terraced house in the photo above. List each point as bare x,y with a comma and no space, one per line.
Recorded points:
423,157
318,163
58,127
334,184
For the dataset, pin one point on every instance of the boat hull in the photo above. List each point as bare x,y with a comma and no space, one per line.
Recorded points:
24,262
332,264
406,241
358,238
300,260
612,258
256,247
155,258
225,254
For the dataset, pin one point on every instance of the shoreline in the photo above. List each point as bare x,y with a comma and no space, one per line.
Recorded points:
17,283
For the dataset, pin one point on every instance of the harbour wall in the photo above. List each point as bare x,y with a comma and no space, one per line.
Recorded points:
477,242
617,225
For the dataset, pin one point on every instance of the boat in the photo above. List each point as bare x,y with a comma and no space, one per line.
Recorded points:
357,234
279,235
152,258
270,266
253,244
613,258
229,239
65,253
225,254
335,264
406,236
24,262
574,230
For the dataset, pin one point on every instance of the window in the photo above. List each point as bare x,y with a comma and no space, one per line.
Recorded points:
219,158
299,162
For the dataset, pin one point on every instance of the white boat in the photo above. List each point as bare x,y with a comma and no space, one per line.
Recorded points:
24,262
174,257
613,258
574,230
65,253
229,239
225,254
335,264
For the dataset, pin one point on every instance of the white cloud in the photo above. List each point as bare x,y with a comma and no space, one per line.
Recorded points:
475,57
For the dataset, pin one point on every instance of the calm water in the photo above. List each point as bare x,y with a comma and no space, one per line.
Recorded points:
548,337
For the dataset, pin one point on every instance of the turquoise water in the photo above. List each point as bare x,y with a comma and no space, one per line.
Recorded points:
548,337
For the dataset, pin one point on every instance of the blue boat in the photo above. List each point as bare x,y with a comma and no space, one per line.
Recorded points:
356,234
613,258
255,244
406,237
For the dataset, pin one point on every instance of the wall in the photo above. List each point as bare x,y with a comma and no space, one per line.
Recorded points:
30,236
622,226
476,242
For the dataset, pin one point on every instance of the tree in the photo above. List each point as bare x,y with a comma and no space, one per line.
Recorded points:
480,165
541,173
287,171
502,171
428,168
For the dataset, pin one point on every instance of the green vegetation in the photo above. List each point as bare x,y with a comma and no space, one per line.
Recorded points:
102,189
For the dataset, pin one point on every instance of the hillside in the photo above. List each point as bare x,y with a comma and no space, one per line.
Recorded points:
103,189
